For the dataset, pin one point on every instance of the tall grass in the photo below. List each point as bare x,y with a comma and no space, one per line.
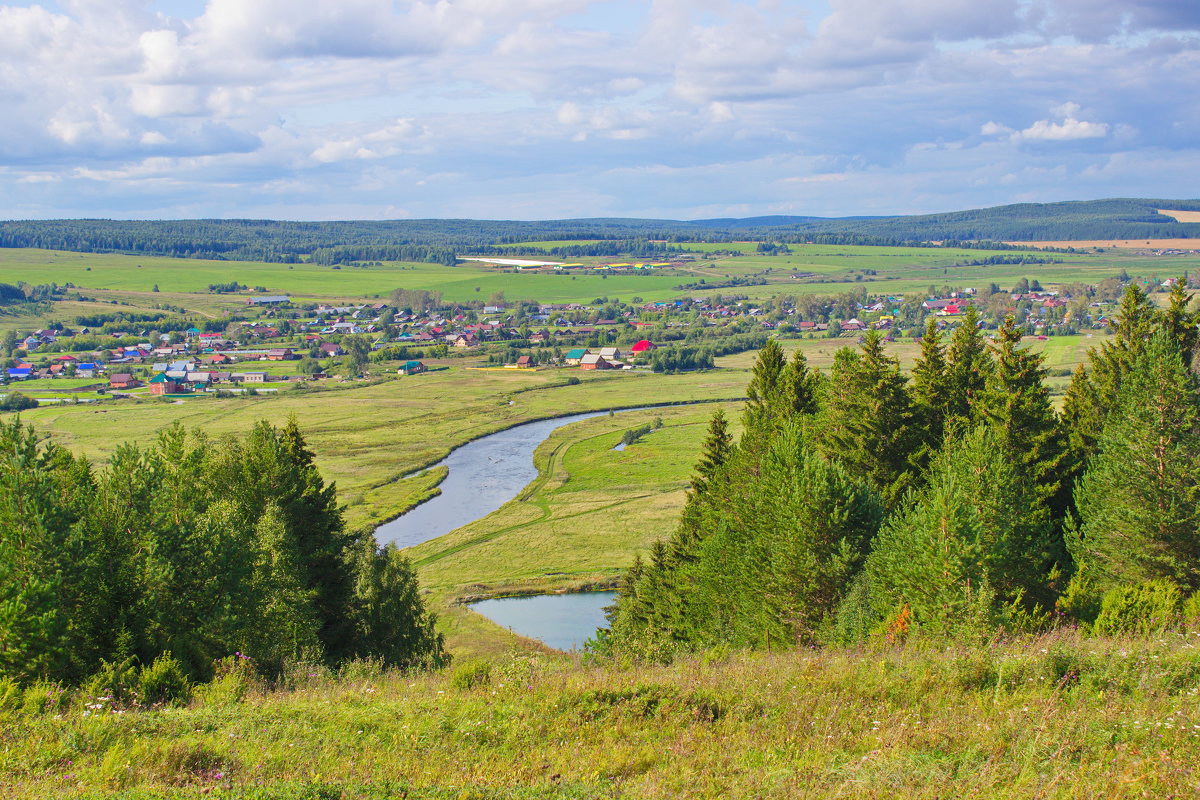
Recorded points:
1055,716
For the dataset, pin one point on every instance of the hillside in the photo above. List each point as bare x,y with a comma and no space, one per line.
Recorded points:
440,240
1056,716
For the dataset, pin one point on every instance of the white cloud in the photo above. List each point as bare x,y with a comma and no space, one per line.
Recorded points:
1064,131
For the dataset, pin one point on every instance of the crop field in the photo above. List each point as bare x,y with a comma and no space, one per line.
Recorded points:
810,269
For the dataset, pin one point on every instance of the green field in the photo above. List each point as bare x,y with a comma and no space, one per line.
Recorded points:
822,269
366,437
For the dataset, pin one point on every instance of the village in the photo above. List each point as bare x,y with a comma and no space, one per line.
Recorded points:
279,341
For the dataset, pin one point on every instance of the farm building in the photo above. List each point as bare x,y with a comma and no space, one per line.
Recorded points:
268,300
123,380
594,361
524,362
411,368
281,354
644,346
573,357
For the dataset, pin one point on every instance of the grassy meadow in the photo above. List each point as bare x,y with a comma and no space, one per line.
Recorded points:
367,436
1058,716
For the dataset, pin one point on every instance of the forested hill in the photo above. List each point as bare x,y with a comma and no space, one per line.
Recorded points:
441,240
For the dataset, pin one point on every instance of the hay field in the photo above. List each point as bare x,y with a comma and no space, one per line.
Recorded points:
1125,244
1180,216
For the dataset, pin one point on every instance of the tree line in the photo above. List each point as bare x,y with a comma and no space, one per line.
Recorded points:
191,549
866,504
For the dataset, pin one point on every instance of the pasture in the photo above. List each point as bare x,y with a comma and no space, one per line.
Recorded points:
809,269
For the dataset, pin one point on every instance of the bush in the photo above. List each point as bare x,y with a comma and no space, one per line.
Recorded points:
163,683
1148,607
233,678
573,381
471,674
15,401
43,697
114,684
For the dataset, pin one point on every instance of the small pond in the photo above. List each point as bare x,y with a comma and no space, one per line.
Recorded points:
562,621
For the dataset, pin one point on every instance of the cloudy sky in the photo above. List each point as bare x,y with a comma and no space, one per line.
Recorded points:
531,109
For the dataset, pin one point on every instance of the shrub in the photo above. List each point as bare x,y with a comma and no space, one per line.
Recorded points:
42,697
114,683
15,401
163,683
471,674
233,677
1148,607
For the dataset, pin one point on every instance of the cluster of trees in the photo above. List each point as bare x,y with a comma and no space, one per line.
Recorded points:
192,547
866,503
681,359
226,288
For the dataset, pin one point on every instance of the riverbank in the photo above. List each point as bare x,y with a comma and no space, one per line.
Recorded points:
1053,716
576,527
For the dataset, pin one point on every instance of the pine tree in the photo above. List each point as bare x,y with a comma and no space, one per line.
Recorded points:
974,536
1138,500
285,621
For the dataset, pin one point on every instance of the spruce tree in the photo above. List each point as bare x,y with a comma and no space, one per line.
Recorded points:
764,393
867,422
968,365
1016,401
800,386
1138,501
931,382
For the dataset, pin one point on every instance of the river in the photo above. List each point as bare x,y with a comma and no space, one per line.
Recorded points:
563,621
484,474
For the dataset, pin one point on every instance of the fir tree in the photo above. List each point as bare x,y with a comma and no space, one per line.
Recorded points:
1138,500
1016,402
867,422
968,366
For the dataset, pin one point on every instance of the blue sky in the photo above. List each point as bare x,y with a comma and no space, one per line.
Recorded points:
538,109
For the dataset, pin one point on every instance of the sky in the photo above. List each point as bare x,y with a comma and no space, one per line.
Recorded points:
552,109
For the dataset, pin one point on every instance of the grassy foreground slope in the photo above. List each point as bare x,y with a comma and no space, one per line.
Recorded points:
1057,716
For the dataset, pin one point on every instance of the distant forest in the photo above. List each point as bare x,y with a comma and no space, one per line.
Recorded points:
443,240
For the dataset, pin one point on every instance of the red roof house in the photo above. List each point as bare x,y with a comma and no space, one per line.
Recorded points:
643,346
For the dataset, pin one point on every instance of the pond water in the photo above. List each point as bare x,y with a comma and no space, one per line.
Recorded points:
563,621
483,475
